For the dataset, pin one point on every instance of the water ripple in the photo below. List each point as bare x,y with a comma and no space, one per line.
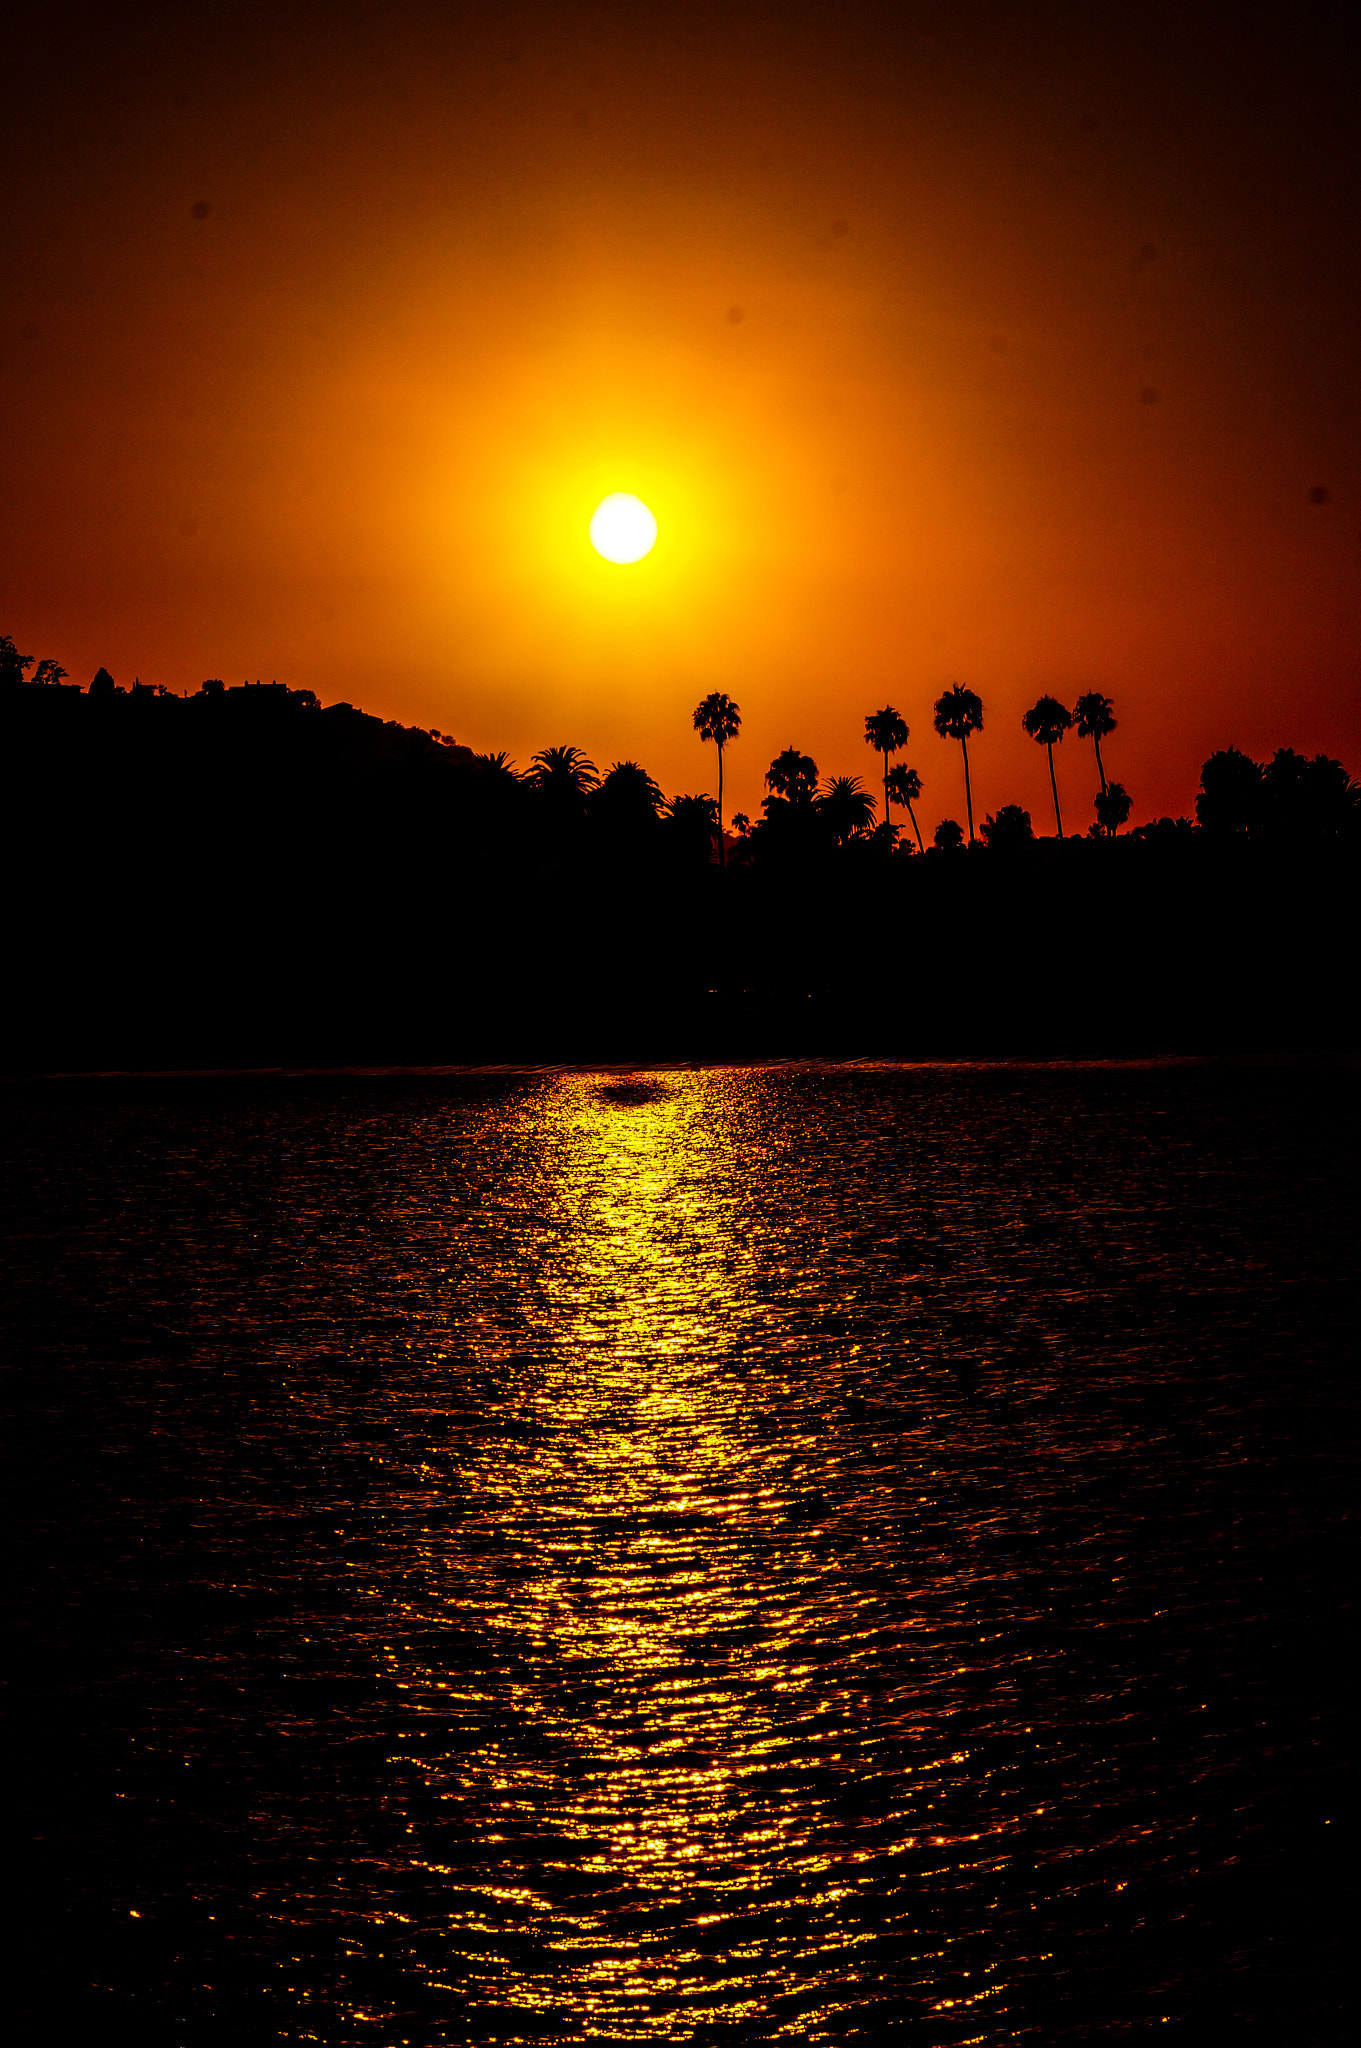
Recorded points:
760,1553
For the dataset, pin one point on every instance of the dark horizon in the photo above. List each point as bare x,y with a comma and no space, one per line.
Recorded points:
1232,802
243,878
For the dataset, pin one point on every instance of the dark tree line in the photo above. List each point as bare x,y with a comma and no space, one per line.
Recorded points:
240,877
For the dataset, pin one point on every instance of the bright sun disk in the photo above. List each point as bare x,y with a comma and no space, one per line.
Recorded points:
622,528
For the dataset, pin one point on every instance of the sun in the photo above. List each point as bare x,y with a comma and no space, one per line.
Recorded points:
622,529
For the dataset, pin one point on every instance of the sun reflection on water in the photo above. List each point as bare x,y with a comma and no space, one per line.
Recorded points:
769,1553
679,1693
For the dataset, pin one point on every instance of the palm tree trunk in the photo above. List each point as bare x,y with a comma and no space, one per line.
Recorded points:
722,850
916,828
887,819
968,794
1096,742
1054,786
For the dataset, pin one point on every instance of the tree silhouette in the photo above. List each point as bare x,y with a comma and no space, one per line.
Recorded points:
627,803
693,825
1095,720
1291,801
904,785
1307,800
1113,806
887,733
948,835
1011,827
846,807
627,783
718,719
12,663
49,673
1230,797
958,713
1047,722
563,771
793,776
559,781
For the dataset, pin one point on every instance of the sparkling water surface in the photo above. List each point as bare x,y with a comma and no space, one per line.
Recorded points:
751,1554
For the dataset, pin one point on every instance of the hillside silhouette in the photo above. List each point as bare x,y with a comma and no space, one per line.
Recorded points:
241,877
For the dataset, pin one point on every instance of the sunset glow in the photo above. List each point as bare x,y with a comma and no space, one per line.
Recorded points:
930,365
680,788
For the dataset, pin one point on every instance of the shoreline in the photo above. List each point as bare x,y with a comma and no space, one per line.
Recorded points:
796,1063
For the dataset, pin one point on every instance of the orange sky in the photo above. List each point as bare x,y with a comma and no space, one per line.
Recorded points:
990,343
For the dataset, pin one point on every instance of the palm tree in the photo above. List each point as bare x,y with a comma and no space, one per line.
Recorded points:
1095,718
1047,722
887,733
958,713
693,823
627,803
561,779
793,776
846,807
563,772
629,786
1113,807
718,719
904,785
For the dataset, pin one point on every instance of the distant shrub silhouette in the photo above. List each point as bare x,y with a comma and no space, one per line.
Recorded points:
948,835
1166,831
1009,828
102,684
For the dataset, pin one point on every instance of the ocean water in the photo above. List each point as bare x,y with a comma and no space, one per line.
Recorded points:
790,1553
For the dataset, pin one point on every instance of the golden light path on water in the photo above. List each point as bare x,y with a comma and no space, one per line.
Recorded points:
784,1553
680,1784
